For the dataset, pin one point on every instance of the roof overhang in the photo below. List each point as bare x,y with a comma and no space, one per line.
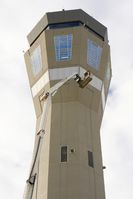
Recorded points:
67,16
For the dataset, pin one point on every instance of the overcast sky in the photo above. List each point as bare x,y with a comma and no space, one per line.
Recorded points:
17,117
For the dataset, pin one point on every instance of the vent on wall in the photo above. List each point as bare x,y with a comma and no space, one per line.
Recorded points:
64,154
90,159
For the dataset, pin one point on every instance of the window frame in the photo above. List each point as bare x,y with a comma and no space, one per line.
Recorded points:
94,54
64,160
59,46
90,159
36,60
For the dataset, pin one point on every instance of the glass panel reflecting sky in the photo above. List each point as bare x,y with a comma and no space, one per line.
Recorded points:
36,61
63,47
93,54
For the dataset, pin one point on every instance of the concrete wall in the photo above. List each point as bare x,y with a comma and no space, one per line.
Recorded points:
73,119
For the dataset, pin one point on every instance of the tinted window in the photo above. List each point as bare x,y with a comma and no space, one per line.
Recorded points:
94,54
90,159
64,154
108,72
36,61
64,25
63,47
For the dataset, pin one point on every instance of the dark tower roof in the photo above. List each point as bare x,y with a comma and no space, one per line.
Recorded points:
64,17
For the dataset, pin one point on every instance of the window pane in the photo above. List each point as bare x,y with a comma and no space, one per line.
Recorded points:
36,61
64,154
63,47
94,54
90,159
108,72
107,78
65,25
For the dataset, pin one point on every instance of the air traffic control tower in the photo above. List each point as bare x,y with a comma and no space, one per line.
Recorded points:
69,70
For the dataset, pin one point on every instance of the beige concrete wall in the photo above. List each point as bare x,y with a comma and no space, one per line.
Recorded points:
79,51
74,119
77,126
42,161
79,58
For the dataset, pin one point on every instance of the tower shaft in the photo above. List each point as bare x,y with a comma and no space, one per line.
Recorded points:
69,71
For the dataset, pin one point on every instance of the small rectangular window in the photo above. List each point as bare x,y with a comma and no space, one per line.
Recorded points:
63,47
108,72
94,54
90,159
36,61
64,154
